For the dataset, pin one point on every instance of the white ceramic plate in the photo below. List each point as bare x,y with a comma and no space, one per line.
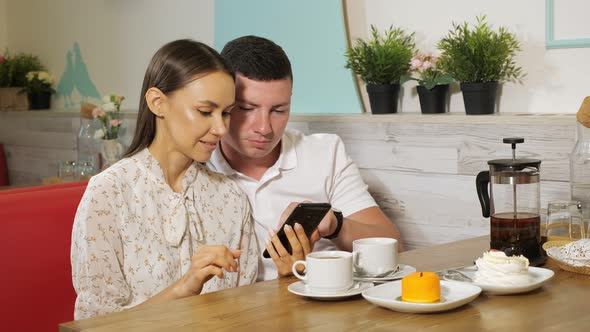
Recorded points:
404,270
539,277
453,295
299,288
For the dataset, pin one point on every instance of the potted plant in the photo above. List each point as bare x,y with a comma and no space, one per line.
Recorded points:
433,84
13,71
38,88
480,58
380,63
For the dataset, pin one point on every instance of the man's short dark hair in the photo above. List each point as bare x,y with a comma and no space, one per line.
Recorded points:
257,58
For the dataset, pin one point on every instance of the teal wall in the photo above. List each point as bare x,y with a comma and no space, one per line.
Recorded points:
312,34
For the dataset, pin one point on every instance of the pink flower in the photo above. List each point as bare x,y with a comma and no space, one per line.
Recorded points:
97,112
415,64
2,59
115,122
426,65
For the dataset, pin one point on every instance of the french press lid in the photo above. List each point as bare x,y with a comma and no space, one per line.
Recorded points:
514,164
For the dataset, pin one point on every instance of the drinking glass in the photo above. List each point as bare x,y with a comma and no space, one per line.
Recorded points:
84,170
66,170
564,220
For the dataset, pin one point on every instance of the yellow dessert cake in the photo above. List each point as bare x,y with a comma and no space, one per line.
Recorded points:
421,287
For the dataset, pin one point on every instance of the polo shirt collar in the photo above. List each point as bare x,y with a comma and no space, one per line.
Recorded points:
287,159
221,165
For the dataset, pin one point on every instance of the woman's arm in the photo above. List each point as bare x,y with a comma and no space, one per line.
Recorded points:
97,251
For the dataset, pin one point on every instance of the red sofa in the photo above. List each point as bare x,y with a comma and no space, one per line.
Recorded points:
35,237
3,167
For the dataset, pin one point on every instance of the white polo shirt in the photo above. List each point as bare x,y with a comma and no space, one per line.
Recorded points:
313,167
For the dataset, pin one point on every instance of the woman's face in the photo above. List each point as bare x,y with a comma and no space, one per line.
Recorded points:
197,115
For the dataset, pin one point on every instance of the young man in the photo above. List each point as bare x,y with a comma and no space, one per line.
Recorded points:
278,167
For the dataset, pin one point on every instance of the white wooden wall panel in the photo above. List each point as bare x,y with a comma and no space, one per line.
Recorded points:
434,147
438,208
31,164
420,169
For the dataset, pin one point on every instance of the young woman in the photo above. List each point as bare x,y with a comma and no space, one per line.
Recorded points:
158,225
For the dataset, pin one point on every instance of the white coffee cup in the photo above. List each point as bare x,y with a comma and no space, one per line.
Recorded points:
326,271
374,256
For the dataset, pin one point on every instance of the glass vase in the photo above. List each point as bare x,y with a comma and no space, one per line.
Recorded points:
88,146
580,170
111,151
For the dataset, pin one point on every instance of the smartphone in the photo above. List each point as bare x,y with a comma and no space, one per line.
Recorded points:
308,215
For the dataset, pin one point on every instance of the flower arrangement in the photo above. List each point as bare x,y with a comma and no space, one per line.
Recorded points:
38,81
429,75
108,116
112,102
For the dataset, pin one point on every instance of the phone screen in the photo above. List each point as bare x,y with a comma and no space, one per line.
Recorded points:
308,215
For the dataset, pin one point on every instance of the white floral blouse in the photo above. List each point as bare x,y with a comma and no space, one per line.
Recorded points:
133,236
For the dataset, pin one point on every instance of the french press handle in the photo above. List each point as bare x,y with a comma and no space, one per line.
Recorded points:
482,182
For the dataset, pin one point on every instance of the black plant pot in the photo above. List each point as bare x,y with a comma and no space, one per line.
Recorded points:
40,100
434,100
479,98
383,98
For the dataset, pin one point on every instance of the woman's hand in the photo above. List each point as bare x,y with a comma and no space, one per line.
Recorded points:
300,244
207,262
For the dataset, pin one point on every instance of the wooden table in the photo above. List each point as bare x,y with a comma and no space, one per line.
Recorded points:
561,305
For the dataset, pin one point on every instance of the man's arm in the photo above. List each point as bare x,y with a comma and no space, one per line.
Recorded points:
349,193
369,222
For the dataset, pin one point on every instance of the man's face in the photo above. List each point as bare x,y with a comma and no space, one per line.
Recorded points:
259,117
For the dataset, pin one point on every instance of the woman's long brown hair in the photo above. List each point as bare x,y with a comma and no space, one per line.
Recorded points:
172,67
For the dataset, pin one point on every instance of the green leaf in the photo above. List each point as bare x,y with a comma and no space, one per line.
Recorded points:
406,78
429,85
444,79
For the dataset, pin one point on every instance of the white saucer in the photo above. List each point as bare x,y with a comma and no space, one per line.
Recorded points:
299,288
453,295
539,277
403,271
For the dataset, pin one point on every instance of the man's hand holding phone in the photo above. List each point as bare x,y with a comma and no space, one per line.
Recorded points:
297,234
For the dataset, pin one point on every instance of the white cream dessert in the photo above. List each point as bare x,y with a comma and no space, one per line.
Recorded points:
495,268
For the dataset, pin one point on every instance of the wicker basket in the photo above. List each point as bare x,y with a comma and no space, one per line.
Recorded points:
577,269
11,99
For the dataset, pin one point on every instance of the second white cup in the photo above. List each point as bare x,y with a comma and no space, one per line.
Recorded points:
374,256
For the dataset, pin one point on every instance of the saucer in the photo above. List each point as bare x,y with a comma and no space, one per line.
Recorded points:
299,288
539,277
403,271
453,295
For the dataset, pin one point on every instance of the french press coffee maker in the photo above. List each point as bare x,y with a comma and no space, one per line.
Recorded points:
513,204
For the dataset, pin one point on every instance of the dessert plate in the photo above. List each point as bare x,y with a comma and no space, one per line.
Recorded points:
403,271
453,295
299,288
539,277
